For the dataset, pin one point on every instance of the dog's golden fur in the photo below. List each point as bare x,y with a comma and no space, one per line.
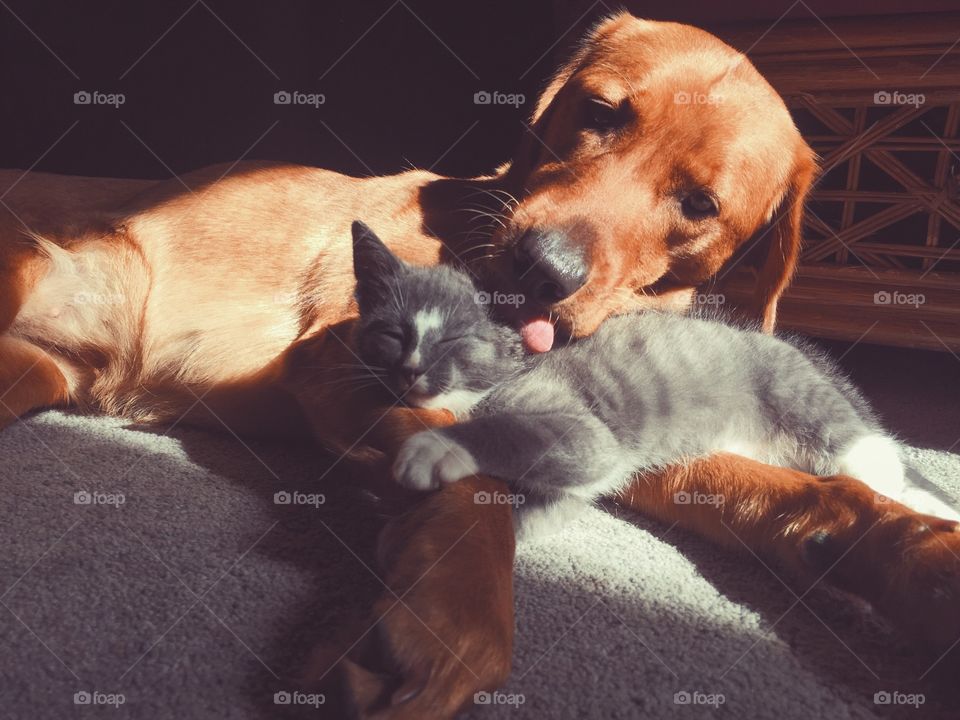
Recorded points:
145,294
197,295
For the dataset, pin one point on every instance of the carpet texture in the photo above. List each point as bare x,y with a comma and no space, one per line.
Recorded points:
179,585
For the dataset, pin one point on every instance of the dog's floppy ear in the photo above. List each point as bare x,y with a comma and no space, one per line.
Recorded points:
374,266
559,79
783,240
531,142
601,29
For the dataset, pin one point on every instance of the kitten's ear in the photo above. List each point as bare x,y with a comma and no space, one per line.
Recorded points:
374,266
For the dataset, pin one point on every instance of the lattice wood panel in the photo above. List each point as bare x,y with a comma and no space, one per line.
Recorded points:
888,197
879,100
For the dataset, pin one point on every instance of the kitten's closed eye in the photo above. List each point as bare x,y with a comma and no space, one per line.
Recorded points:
382,328
388,335
381,342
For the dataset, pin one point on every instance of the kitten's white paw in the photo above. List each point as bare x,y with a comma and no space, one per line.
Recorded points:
429,459
543,518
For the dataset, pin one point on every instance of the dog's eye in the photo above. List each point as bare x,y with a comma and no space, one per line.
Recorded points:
601,116
698,205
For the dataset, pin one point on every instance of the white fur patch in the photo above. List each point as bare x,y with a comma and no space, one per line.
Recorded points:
743,449
924,502
428,460
779,449
535,522
427,320
459,402
875,459
423,322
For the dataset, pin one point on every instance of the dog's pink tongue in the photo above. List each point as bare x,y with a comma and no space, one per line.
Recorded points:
537,335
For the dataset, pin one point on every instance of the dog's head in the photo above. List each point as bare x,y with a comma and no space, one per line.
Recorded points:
653,155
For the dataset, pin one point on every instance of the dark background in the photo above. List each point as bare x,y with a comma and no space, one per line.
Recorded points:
395,95
199,78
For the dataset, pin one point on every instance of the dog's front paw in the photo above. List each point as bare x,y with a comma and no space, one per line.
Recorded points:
923,594
430,459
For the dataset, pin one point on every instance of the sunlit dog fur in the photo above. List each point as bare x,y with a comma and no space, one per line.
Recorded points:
186,300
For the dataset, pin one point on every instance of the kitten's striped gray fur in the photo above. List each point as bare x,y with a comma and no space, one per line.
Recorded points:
645,391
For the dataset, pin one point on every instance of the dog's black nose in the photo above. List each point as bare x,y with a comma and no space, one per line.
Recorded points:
549,266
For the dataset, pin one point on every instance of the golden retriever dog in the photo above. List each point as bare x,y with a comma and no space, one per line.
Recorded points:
656,157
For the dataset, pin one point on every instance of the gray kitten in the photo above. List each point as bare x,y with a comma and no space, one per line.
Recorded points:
645,391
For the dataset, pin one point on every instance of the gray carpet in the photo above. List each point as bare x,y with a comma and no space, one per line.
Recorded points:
200,597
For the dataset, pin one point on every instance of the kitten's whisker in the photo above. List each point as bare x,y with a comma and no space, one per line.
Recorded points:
483,258
491,193
396,291
339,373
343,382
494,218
573,332
482,209
340,377
477,206
354,366
483,249
484,232
500,201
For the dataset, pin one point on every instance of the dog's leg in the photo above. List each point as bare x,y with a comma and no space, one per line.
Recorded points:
906,564
29,380
447,620
443,629
29,377
402,422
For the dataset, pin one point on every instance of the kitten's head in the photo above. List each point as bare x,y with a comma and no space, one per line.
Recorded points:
423,330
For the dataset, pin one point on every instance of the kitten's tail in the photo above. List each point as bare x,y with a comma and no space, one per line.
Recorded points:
876,459
922,495
882,463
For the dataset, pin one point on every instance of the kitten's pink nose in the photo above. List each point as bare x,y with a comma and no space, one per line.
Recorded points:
410,376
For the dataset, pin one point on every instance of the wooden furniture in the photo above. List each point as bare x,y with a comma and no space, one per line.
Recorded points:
878,98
